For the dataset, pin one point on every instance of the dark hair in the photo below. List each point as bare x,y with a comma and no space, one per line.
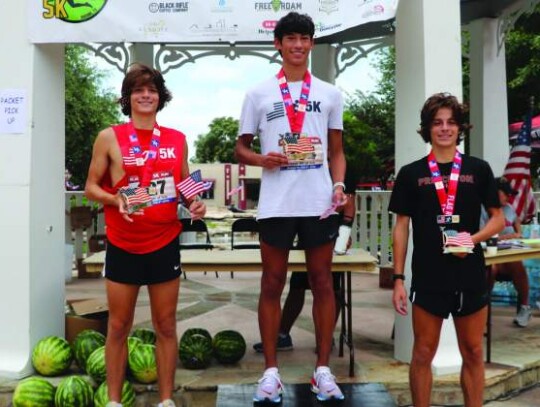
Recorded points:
294,23
140,75
436,102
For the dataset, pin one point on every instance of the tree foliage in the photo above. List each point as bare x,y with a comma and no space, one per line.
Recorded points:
217,146
89,109
523,64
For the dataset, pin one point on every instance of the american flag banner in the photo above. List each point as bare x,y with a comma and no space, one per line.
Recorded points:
193,185
135,198
518,173
457,241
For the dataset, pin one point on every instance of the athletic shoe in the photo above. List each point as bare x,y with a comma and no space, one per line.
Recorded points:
284,342
113,404
167,403
323,384
269,388
523,316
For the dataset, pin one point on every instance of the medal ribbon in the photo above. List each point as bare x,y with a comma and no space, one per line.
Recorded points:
147,166
296,117
447,200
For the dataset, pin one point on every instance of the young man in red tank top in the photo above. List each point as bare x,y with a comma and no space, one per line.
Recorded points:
142,246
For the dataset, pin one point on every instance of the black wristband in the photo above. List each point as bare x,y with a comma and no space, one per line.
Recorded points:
398,277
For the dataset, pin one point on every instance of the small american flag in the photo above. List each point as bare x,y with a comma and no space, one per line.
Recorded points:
457,239
193,185
518,173
136,198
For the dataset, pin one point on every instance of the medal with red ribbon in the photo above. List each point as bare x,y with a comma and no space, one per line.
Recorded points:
295,116
447,200
146,166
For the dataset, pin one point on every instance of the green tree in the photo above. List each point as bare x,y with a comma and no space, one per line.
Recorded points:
217,146
523,64
89,109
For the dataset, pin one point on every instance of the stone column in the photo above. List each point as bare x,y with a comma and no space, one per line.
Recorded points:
428,60
323,58
32,195
489,112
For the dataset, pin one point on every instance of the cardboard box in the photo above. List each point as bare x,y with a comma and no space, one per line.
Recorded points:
86,314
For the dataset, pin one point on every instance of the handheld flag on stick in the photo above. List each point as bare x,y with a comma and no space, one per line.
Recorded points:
518,172
193,185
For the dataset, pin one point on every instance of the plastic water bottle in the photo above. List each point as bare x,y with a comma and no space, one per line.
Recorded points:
343,238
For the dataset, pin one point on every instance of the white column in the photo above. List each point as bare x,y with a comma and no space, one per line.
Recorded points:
489,113
428,60
323,58
32,196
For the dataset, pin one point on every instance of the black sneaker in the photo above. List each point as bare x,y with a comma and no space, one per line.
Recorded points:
284,342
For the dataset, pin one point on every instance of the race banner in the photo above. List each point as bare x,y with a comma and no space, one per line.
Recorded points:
103,21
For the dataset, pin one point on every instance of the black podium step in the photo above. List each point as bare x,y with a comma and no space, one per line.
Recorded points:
300,395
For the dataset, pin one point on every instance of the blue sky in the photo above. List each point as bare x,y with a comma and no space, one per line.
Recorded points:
214,87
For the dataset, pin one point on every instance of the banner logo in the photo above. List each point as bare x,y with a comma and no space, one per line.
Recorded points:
72,11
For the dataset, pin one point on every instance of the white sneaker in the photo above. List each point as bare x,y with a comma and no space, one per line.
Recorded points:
113,404
167,403
270,387
523,316
323,384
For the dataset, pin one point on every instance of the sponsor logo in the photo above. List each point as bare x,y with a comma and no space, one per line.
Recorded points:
222,6
154,29
72,11
374,11
220,27
328,6
267,27
321,27
168,7
277,5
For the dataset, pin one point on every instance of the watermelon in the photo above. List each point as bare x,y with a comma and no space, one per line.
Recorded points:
33,392
95,365
192,331
195,351
101,397
132,342
142,363
74,391
52,356
144,334
229,346
84,344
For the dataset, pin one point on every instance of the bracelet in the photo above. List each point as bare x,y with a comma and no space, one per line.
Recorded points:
339,184
398,277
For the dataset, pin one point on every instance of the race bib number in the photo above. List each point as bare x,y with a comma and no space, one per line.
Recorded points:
162,189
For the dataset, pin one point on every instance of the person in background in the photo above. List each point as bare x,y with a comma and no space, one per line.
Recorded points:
514,271
299,283
299,121
143,249
442,196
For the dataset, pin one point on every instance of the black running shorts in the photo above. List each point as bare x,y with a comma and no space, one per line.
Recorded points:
459,304
142,269
312,231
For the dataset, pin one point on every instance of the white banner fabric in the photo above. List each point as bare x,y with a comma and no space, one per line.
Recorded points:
103,21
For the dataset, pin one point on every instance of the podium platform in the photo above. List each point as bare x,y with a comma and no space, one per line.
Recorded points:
300,395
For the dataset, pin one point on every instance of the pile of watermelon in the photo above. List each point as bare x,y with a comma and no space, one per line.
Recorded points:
197,347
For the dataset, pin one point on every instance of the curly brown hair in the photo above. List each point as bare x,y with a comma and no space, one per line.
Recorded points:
141,75
432,106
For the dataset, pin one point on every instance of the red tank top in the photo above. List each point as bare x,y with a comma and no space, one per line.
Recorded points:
159,225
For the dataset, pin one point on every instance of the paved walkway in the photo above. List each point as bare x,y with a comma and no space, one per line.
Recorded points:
224,303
